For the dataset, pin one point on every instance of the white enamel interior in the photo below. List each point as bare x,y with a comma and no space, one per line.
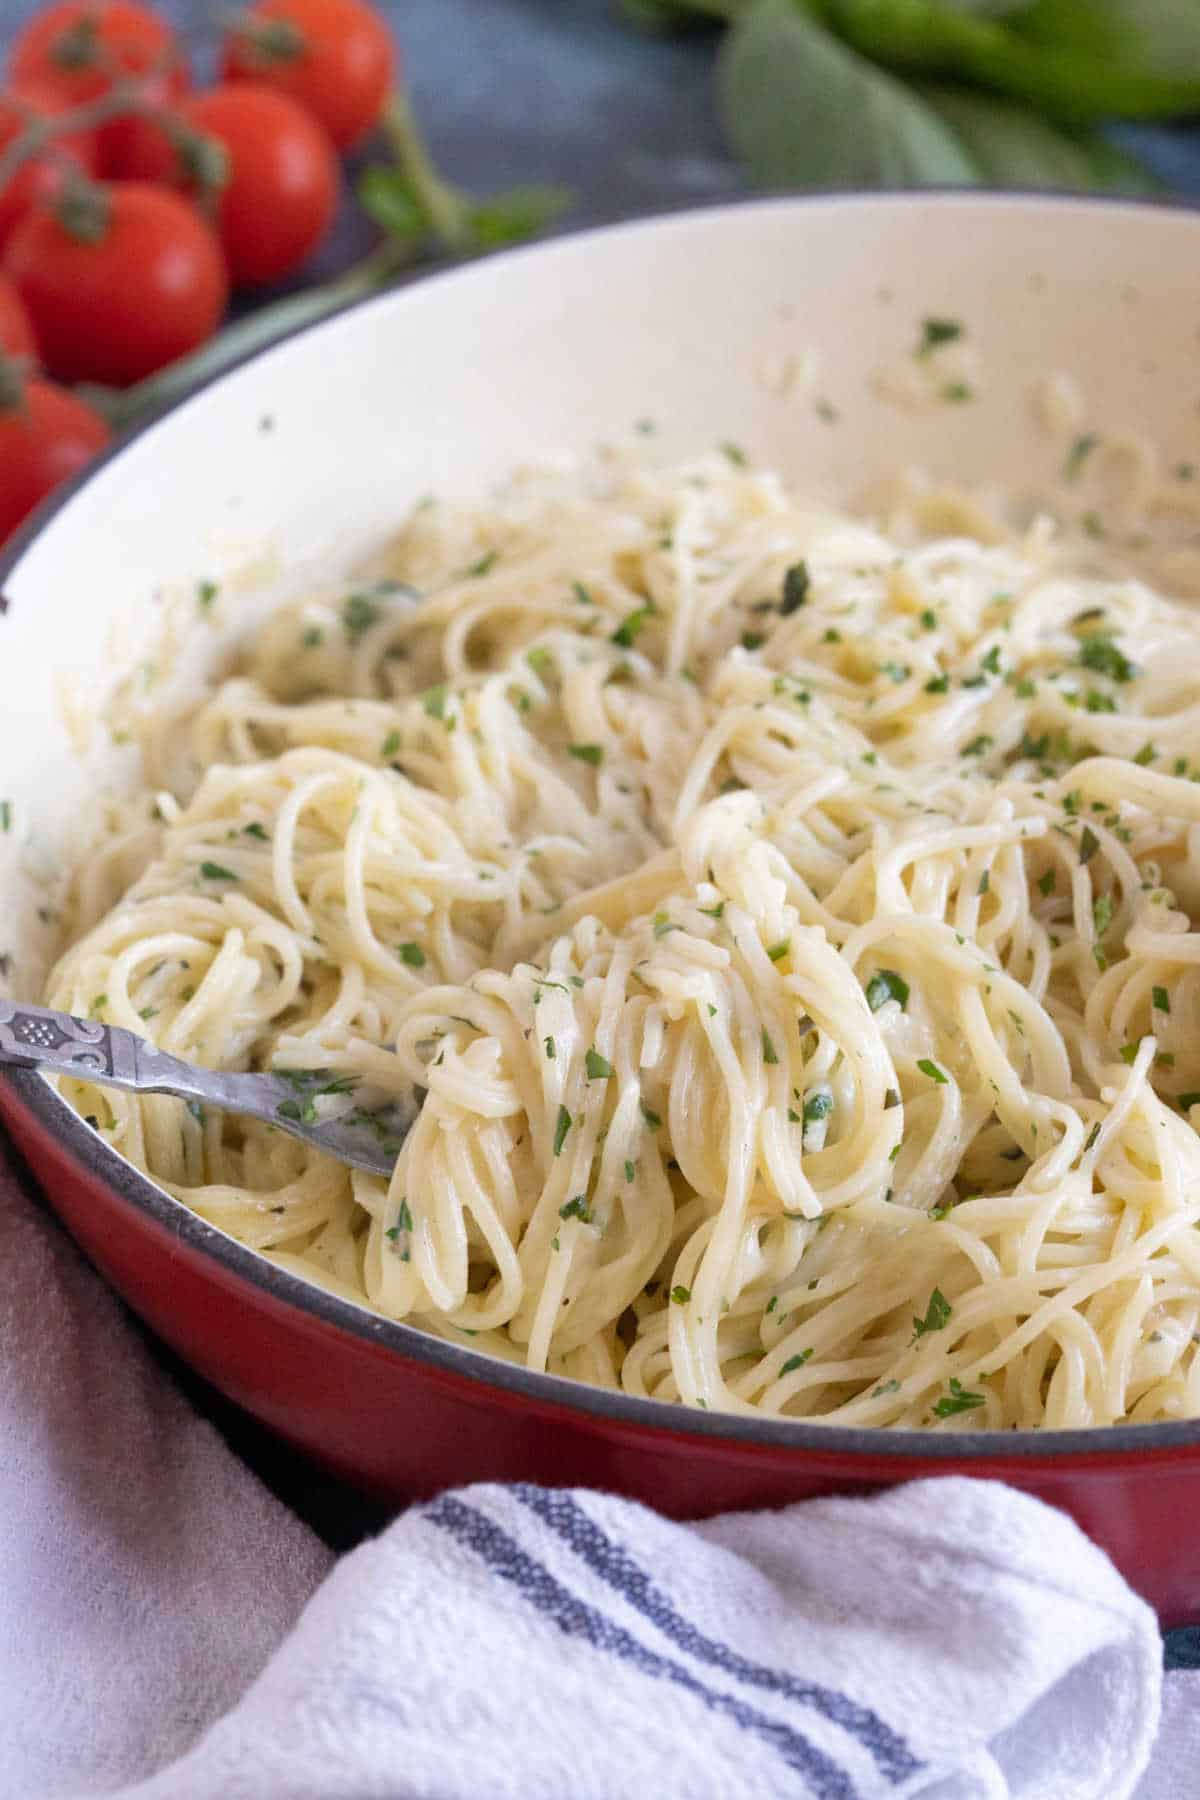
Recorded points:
308,455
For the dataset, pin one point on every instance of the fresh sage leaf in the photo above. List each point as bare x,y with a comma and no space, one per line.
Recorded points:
1012,146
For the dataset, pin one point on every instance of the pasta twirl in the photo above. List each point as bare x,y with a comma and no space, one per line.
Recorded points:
791,920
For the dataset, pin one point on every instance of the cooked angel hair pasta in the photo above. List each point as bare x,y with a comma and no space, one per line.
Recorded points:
790,921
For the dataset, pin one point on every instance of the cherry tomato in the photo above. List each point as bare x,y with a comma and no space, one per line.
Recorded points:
16,327
281,189
78,46
333,56
23,105
118,280
46,434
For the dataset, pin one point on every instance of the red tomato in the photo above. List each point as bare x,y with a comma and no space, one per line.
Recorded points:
46,434
118,280
78,45
16,327
333,56
281,193
26,102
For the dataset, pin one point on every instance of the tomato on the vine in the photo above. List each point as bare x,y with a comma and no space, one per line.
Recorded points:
81,46
281,185
46,435
25,104
16,327
333,56
118,280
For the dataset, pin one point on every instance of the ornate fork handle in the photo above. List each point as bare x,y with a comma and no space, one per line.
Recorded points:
34,1037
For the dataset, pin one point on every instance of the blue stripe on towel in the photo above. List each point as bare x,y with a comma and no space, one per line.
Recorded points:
613,1563
576,1619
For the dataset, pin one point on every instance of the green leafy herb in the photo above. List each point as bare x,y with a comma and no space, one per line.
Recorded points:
663,924
734,454
598,1067
630,1171
6,816
768,1049
680,1294
561,1129
1078,454
930,1068
796,1362
978,746
885,985
1145,756
413,955
753,640
1161,999
631,625
1099,653
577,1208
935,333
390,745
212,871
359,613
937,1315
1089,843
255,830
588,753
206,593
940,684
652,1119
777,952
551,1048
957,1401
796,583
1102,912
818,1106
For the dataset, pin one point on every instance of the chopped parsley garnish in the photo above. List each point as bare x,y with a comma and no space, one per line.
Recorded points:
795,1362
312,637
486,562
777,952
929,619
734,454
630,1171
413,955
885,985
796,583
561,1129
1092,1135
551,1049
753,640
1089,843
359,613
1102,912
885,1387
1079,452
680,1294
1098,652
630,625
978,746
255,830
770,1055
1129,1052
935,332
940,684
1100,703
206,593
957,391
577,1208
1161,999
831,635
6,812
1072,802
434,701
390,745
957,1401
713,912
581,594
937,1315
818,1106
598,1067
212,871
588,753
930,1068
991,661
1145,756
985,882
651,1117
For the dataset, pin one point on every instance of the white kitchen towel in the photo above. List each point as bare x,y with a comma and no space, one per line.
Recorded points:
951,1639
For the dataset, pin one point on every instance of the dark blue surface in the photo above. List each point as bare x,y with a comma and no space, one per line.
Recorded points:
559,91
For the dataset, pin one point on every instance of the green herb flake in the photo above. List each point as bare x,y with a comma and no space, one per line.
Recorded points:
885,1387
937,1315
930,1068
795,1362
818,1106
1099,653
551,1049
6,816
413,955
1092,1135
957,392
662,925
1102,912
561,1129
486,563
1089,843
434,701
978,746
929,619
796,583
1047,882
680,1294
777,952
1078,454
734,454
886,985
390,745
957,1401
651,1117
1161,999
630,1171
359,613
206,593
581,594
753,640
255,830
587,753
577,1208
212,871
313,636
630,626
1145,756
598,1067
1129,1052
769,1052
935,332
940,684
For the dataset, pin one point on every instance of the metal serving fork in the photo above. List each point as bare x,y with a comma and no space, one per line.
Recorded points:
34,1037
